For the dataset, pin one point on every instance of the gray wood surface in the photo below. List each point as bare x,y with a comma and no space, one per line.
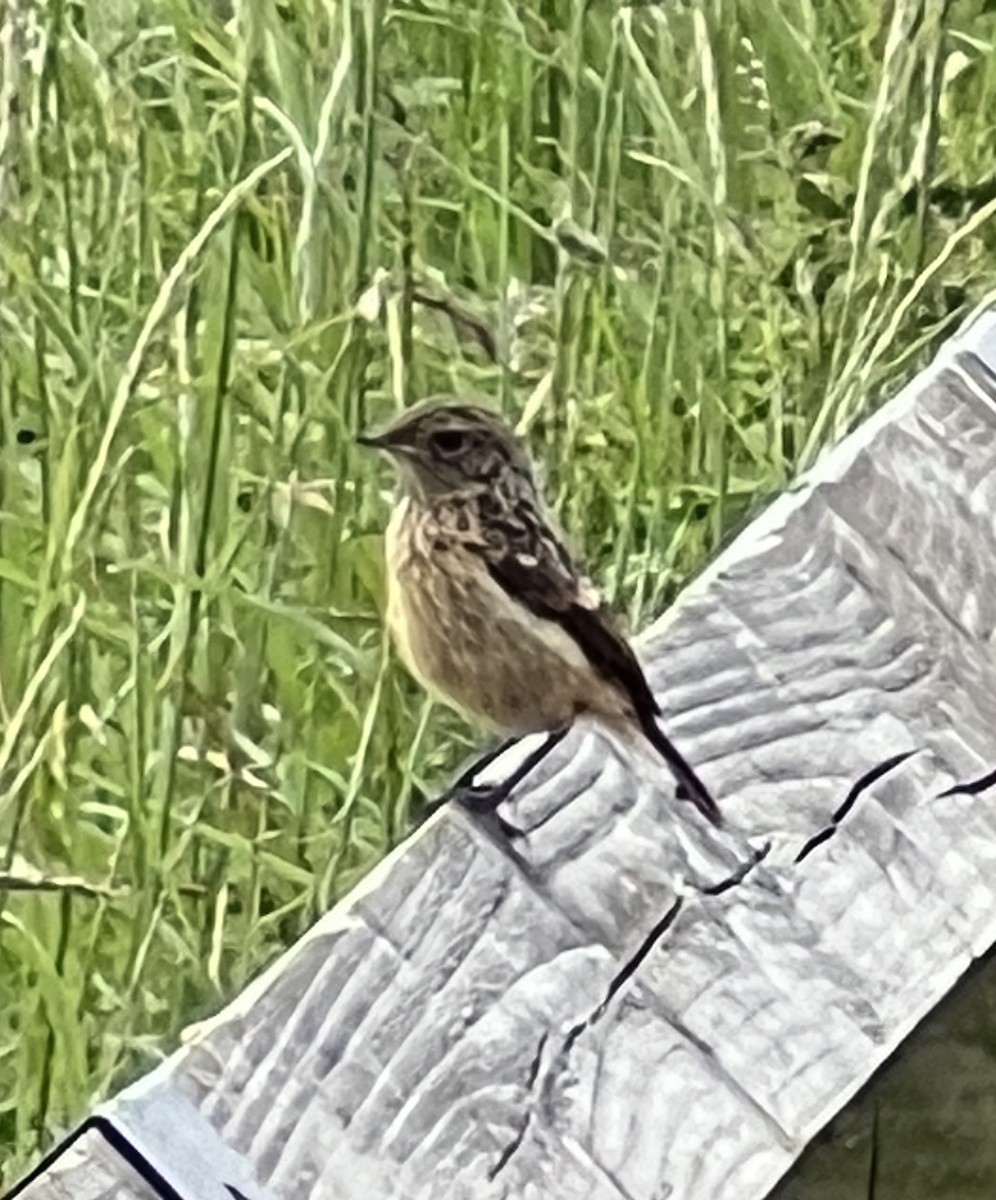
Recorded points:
89,1170
590,1010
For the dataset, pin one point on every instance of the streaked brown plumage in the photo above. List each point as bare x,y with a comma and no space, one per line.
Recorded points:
486,606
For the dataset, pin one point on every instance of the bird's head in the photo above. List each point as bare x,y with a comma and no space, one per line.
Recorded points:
445,444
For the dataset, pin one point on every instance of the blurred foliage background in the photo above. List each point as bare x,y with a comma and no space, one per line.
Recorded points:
683,244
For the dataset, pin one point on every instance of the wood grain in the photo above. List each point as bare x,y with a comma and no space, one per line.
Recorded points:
611,1004
456,1029
88,1169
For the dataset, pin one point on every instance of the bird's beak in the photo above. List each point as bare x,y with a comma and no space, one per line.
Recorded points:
376,441
394,441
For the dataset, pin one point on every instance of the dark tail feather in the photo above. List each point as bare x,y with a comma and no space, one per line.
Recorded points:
690,787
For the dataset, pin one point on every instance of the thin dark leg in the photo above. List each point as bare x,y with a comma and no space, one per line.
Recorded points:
486,797
465,780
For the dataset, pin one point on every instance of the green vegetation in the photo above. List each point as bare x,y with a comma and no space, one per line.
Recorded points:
685,244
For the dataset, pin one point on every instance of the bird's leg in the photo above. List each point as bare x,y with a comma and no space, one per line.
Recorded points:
487,796
465,780
483,799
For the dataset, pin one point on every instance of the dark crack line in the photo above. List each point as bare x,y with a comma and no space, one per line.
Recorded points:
627,971
866,781
653,939
534,1067
509,1151
616,983
520,1135
740,874
537,1077
133,1156
972,788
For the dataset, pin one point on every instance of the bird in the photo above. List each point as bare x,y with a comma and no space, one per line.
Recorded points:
488,608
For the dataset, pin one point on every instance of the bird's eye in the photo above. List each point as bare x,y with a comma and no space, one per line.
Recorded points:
448,441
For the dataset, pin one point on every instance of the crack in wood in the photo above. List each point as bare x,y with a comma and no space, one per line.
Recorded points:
119,1141
626,972
666,922
866,781
481,803
973,788
616,983
510,1149
740,874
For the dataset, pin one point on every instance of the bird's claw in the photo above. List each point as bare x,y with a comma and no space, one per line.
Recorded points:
482,800
480,797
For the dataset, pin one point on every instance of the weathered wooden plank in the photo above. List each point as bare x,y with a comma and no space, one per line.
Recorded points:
89,1169
872,930
179,1149
818,651
576,1014
149,1142
416,1033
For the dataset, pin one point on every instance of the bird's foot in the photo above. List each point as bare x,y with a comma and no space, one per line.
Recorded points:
480,797
482,800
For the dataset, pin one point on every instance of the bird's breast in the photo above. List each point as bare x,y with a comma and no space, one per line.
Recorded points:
469,642
426,599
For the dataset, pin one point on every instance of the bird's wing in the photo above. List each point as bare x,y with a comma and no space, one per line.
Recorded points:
528,561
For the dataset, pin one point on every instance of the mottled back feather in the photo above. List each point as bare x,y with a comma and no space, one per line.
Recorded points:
535,569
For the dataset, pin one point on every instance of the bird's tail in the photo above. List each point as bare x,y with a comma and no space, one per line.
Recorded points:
690,787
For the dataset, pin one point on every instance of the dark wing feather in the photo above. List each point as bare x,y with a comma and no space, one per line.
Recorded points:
526,560
534,568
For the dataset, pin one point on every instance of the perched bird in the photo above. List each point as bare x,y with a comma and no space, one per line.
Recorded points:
486,606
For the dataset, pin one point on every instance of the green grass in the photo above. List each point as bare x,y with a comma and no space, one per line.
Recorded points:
685,245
